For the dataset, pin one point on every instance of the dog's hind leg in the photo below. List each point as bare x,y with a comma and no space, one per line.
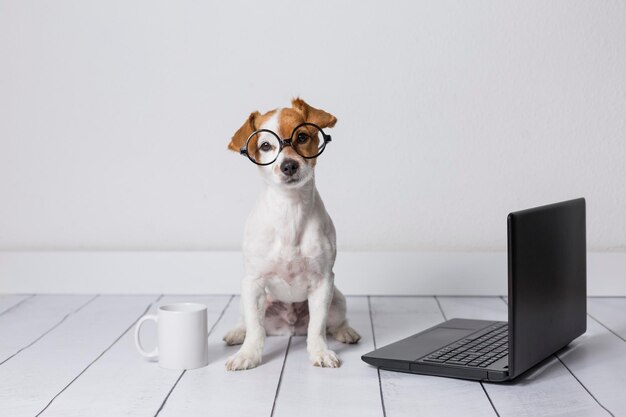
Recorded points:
337,324
236,336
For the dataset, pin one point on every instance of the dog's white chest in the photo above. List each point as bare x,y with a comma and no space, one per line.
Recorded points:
290,271
289,244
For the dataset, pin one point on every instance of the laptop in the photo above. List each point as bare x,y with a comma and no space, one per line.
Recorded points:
547,302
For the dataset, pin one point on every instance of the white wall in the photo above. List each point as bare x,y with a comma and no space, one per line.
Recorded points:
115,116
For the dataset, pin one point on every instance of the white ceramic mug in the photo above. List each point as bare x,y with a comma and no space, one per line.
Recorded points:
182,336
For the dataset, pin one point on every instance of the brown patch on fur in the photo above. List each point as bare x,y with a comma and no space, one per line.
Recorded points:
290,119
241,135
251,124
313,115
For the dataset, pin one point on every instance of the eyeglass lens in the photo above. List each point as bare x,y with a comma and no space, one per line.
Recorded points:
308,141
263,147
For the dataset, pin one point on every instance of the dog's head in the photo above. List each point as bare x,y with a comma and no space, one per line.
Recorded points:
293,166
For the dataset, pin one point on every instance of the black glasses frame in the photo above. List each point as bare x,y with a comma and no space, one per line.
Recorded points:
285,142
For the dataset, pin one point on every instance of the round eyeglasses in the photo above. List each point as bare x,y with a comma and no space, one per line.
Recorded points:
263,146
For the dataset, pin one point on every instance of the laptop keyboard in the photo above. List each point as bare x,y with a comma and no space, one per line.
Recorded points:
479,352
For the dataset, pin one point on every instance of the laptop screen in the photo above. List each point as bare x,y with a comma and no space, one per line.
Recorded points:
547,281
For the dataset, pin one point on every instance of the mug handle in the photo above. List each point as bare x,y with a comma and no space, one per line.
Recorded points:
155,352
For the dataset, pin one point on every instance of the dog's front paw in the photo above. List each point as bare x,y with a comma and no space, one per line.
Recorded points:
325,358
235,336
243,360
347,334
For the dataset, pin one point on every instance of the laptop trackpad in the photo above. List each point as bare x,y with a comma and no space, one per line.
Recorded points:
421,344
437,338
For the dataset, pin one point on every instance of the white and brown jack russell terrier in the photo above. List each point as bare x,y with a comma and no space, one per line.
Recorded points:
289,241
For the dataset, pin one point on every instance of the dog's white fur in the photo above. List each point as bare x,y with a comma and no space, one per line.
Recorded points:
290,248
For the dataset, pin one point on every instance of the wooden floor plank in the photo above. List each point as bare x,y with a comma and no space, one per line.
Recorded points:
395,318
30,380
610,311
351,389
23,325
9,301
213,390
598,359
121,382
548,389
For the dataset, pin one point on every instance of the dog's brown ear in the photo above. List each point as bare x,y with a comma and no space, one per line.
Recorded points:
313,115
241,135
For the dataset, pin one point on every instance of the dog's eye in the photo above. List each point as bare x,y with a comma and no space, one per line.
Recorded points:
302,138
265,147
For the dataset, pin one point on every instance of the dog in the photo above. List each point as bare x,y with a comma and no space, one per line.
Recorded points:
289,242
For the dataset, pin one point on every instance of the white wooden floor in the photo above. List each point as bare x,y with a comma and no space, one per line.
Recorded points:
74,356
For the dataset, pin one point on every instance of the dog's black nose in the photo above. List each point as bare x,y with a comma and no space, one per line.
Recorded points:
289,167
